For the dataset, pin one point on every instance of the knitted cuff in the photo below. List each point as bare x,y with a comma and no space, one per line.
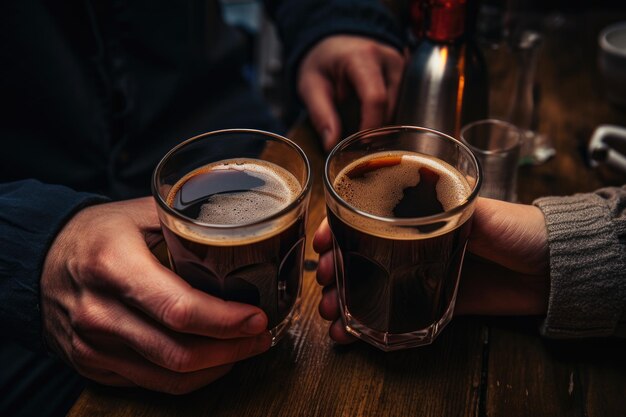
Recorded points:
586,267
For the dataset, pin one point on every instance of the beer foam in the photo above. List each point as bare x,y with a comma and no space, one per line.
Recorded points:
377,192
280,188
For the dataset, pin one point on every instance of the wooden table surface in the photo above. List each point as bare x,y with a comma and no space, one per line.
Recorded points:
479,366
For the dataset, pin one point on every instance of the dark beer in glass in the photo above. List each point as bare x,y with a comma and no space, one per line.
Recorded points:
232,206
399,202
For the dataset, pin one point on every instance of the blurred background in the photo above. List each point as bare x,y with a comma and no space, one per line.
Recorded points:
502,28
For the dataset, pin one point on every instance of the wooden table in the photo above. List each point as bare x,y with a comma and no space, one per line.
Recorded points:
479,366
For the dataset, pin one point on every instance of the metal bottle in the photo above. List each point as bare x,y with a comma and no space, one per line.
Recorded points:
445,83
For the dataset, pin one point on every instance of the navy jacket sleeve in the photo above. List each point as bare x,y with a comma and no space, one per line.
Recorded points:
302,23
31,214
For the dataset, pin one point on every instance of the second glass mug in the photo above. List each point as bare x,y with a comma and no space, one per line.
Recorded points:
398,269
219,244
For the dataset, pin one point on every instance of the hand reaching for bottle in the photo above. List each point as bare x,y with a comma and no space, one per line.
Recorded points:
119,317
342,62
505,273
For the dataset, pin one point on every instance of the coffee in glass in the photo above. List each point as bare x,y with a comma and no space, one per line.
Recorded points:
235,225
399,203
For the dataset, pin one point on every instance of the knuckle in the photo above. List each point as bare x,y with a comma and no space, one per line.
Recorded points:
100,265
178,359
377,97
80,353
91,317
86,318
369,48
177,313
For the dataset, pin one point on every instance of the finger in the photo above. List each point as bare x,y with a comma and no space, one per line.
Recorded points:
367,80
142,210
202,353
316,92
323,239
339,334
193,353
326,269
148,212
106,378
132,367
144,283
393,64
114,323
329,304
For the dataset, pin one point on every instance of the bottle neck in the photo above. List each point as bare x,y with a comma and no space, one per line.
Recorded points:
445,20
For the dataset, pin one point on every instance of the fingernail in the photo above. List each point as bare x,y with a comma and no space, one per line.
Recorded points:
255,324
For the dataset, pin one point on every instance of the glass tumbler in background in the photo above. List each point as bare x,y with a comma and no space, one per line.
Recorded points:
399,204
232,206
497,146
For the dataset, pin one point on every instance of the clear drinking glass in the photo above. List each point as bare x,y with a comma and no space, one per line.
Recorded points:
398,271
254,255
497,145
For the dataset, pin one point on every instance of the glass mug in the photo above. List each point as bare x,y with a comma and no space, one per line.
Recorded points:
399,201
232,206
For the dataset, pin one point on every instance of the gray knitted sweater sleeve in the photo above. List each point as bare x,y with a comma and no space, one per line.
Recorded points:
587,242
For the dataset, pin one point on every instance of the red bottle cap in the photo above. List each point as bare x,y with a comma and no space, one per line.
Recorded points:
446,19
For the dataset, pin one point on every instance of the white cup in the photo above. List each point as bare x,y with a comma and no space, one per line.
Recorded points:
612,62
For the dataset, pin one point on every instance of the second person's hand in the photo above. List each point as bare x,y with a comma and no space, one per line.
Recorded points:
343,62
508,274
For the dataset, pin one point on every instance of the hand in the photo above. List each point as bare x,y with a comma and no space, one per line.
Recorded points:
119,317
329,305
341,62
513,239
509,277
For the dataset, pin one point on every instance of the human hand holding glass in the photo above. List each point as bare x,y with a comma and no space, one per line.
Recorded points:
119,317
399,201
232,205
508,276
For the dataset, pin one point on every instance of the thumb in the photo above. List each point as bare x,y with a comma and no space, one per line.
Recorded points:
142,211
